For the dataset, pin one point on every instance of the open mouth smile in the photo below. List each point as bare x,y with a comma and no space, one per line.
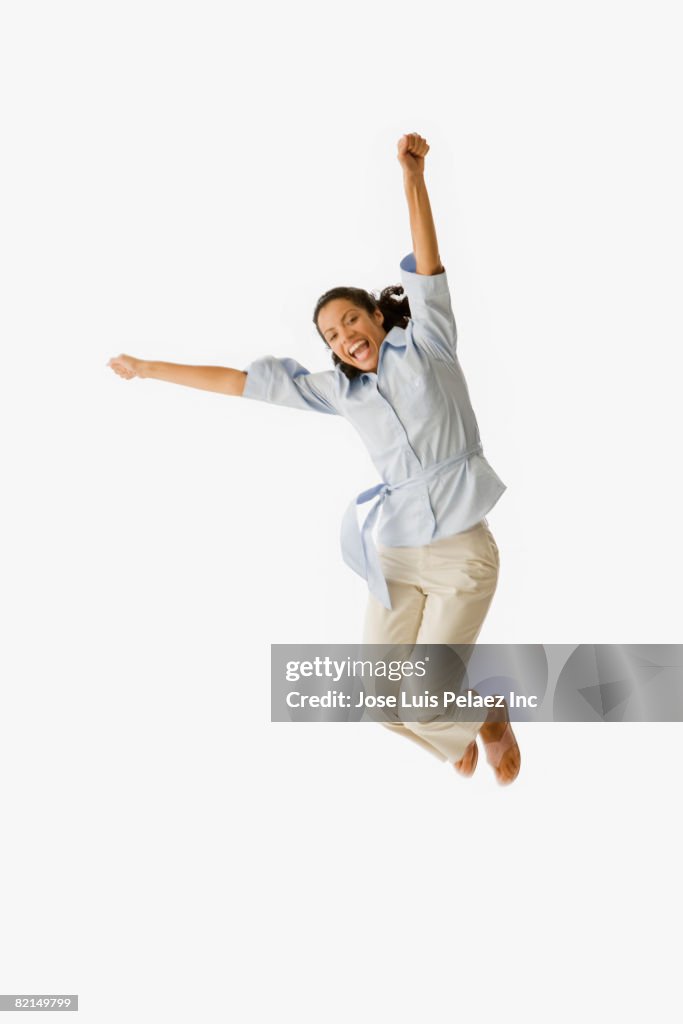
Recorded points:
359,349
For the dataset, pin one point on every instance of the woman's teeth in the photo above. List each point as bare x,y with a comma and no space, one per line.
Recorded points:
359,349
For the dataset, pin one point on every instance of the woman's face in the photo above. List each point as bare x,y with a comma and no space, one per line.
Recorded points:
353,334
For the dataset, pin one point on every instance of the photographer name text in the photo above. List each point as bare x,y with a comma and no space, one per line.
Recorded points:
445,699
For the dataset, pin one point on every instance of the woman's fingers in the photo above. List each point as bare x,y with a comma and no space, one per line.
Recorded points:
412,149
123,365
415,144
421,146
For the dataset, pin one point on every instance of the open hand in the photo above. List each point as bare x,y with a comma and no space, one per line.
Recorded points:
126,366
412,150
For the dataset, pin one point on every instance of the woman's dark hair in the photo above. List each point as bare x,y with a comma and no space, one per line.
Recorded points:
392,303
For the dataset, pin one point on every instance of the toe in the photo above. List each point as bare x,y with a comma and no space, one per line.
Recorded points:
468,761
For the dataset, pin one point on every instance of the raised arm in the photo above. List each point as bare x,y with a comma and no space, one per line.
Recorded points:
412,150
222,379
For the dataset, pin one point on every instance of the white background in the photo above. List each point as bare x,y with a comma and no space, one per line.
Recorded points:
180,181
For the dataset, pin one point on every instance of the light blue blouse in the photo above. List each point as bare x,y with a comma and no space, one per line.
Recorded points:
416,420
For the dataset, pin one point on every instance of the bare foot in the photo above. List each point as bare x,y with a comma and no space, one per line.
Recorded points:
502,751
468,761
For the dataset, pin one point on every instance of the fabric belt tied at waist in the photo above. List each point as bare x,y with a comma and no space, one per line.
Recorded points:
357,543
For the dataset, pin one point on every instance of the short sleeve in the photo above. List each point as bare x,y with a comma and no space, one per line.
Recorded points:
430,309
286,382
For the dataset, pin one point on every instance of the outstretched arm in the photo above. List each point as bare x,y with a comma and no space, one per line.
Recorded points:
222,379
412,150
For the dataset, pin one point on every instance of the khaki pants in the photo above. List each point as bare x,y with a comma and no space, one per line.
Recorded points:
440,594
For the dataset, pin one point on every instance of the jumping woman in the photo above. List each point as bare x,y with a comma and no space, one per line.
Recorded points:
398,380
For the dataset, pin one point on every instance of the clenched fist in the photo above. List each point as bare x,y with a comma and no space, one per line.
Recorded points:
412,150
126,366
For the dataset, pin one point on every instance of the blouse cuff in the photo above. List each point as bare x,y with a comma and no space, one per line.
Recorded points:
259,376
433,283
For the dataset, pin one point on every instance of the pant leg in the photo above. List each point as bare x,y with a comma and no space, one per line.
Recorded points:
401,623
459,577
440,594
